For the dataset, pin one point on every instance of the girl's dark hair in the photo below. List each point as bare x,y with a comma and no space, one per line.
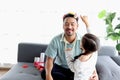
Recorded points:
90,43
70,15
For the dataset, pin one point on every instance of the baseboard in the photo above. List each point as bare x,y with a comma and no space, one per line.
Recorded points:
6,65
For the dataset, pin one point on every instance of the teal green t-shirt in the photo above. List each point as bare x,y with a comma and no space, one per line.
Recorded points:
56,49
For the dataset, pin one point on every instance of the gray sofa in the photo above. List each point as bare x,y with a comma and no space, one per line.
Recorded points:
108,64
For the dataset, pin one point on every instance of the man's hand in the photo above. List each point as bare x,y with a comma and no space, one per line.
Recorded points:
85,20
94,76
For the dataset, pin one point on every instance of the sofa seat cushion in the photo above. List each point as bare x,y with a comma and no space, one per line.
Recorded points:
107,68
18,72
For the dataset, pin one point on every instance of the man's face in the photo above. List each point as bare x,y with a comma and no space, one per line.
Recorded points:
70,26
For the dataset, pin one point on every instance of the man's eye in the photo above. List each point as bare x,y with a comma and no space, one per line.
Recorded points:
66,24
72,24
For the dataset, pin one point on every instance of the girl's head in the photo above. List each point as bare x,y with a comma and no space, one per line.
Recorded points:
89,43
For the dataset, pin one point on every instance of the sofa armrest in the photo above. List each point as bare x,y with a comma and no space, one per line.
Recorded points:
116,59
27,51
107,68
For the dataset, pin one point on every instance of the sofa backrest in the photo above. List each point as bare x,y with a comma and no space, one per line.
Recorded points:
107,51
27,51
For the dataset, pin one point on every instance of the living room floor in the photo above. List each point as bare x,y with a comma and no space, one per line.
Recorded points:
3,71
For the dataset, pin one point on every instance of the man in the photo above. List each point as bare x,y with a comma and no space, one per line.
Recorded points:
56,67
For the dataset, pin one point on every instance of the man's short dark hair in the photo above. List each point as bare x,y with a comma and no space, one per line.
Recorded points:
70,15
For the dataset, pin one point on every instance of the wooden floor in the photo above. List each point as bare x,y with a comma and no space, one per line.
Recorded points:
5,67
3,71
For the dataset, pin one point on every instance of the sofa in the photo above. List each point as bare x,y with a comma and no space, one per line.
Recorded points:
108,63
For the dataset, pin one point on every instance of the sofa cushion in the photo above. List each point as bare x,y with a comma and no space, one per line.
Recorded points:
18,72
107,69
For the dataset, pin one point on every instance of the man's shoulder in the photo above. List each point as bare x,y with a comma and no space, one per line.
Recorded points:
58,37
78,36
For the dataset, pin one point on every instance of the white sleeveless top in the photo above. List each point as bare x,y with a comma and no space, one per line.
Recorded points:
82,70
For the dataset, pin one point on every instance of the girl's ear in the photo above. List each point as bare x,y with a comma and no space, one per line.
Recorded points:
82,49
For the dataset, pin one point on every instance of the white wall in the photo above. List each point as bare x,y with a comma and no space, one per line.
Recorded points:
40,20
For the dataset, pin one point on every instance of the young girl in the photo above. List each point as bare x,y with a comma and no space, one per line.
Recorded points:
83,65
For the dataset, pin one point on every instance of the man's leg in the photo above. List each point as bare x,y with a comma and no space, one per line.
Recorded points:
43,74
59,73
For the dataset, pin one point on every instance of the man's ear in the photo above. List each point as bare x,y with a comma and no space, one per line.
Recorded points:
63,26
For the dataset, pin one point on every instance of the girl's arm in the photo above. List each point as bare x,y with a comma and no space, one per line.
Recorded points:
85,20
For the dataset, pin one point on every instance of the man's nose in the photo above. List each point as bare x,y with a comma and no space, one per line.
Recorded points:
69,26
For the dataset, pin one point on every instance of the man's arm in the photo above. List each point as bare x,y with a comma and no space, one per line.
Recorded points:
48,68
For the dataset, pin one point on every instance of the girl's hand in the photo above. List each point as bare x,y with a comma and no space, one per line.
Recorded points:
85,20
68,49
